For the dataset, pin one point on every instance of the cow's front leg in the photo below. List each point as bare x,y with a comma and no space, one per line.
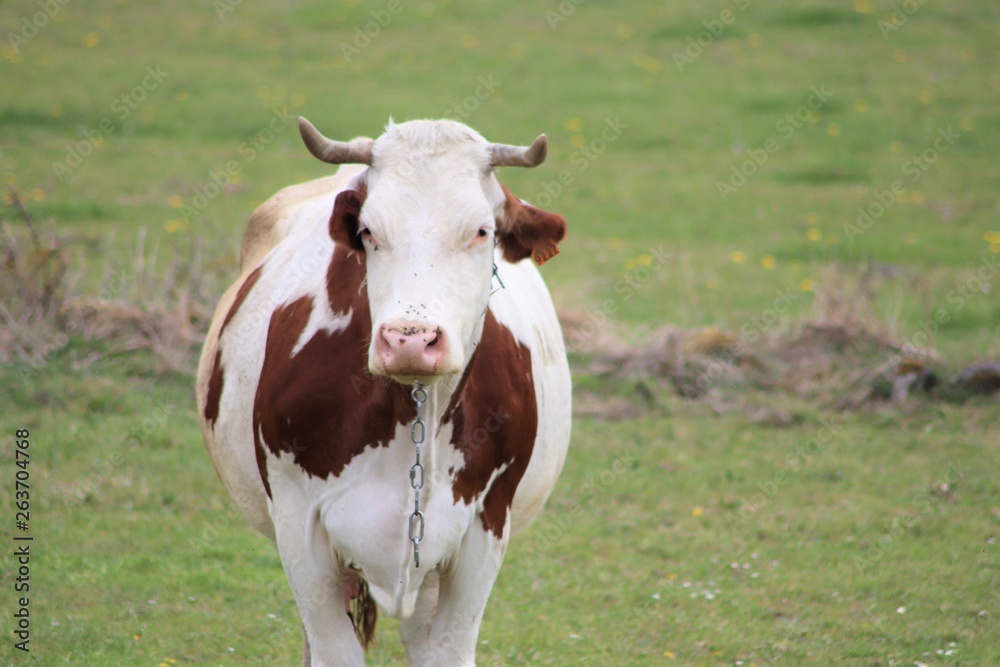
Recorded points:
463,592
316,585
415,631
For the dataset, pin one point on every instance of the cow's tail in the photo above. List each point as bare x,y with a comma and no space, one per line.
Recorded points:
364,614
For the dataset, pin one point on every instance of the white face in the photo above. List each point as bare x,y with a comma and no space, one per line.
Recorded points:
428,226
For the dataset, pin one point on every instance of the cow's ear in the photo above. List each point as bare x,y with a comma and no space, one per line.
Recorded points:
344,220
527,231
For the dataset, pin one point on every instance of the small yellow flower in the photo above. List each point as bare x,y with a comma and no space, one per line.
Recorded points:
38,194
182,95
573,124
10,178
712,283
136,637
814,234
991,237
833,129
737,257
767,261
861,106
647,63
176,201
814,116
994,248
669,654
697,511
622,30
926,97
629,263
863,7
613,243
12,54
577,141
672,575
807,285
896,147
917,197
91,39
645,260
899,55
299,100
966,123
901,197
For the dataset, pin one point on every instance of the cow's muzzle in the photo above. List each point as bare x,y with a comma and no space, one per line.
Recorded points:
408,350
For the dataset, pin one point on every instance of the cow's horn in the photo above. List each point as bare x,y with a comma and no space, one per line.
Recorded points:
502,155
358,151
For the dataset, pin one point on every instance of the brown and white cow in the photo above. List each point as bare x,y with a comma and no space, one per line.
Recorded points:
353,288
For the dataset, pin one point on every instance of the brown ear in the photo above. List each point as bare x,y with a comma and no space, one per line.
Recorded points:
344,220
527,231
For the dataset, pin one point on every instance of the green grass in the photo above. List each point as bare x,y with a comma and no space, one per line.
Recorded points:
578,588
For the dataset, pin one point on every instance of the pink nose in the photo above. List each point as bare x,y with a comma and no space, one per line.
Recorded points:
410,348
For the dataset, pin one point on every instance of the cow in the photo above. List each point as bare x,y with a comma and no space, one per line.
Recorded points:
384,391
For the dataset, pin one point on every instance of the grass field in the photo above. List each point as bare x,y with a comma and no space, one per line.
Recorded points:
769,151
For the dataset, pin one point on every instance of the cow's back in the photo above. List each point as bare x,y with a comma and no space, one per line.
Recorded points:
273,220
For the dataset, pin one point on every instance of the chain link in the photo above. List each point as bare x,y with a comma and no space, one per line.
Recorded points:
418,430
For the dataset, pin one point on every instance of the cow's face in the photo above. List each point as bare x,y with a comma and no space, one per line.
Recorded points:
429,215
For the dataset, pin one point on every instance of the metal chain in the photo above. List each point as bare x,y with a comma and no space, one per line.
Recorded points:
417,432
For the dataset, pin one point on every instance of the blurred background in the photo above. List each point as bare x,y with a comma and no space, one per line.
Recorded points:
778,293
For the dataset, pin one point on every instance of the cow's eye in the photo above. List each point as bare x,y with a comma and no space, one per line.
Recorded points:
483,233
365,232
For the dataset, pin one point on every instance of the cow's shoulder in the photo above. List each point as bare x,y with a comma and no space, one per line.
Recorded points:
273,219
494,413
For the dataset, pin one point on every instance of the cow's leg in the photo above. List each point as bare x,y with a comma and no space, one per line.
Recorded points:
318,592
464,591
415,631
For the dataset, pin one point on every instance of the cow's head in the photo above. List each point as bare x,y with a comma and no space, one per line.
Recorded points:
427,215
